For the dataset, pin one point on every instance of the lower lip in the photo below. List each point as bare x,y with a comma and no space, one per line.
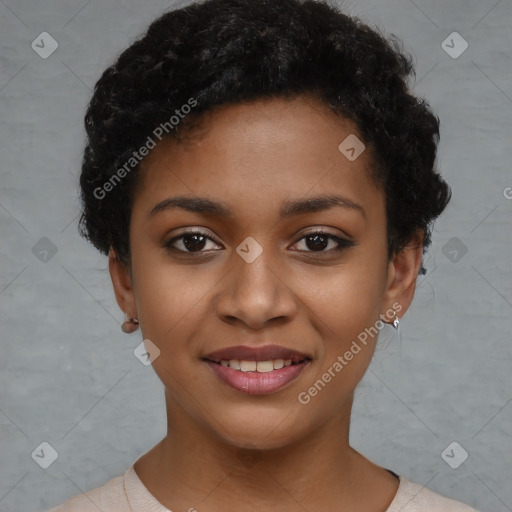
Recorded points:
255,383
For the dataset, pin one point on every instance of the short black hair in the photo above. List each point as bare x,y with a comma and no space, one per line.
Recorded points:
219,52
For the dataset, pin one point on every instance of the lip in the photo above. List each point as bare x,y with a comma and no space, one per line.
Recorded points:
263,353
256,383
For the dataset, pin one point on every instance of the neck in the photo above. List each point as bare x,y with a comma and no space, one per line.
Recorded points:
196,468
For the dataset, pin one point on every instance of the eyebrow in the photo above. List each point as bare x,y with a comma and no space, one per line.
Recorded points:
206,206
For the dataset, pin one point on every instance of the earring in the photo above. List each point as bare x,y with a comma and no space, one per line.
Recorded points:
130,324
396,321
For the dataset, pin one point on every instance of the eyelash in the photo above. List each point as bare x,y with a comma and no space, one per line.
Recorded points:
342,243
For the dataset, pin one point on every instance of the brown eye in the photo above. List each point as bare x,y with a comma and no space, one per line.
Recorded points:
319,241
189,241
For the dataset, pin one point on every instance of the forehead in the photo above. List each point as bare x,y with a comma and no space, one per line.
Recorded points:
261,153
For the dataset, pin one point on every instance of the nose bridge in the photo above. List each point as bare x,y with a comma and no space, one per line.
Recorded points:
256,292
255,277
255,271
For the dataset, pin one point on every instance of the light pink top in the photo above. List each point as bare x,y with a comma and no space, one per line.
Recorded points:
127,493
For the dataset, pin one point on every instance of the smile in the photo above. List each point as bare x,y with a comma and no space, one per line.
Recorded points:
254,371
257,366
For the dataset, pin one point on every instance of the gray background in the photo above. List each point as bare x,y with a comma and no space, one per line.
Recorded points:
68,374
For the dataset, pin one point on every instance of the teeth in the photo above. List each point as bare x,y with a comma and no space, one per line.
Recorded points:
256,366
235,364
264,366
248,366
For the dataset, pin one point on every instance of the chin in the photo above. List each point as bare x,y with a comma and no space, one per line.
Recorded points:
260,431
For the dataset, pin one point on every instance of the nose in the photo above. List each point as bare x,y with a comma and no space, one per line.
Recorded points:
256,294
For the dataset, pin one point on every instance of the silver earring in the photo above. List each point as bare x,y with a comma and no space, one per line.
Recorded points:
396,321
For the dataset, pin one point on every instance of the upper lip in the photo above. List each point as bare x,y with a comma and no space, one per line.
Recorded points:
262,353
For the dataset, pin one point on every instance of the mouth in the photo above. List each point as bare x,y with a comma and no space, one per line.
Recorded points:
261,370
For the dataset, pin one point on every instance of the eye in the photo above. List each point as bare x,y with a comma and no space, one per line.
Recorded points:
195,242
318,241
189,242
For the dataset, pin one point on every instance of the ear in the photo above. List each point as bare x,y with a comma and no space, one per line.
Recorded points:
402,274
121,276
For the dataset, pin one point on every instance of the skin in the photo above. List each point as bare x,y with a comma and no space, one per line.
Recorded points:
226,450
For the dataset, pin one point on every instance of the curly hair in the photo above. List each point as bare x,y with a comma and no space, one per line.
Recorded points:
232,51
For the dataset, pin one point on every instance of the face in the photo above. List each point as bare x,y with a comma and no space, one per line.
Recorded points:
258,296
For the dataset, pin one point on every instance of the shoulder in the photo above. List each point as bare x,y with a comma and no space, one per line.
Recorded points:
412,497
110,497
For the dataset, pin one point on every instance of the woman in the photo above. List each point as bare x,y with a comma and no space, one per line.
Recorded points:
263,183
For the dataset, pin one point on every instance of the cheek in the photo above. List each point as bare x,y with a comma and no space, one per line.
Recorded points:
170,301
347,300
345,309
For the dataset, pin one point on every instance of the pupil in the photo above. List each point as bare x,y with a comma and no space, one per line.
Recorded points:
194,245
316,244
